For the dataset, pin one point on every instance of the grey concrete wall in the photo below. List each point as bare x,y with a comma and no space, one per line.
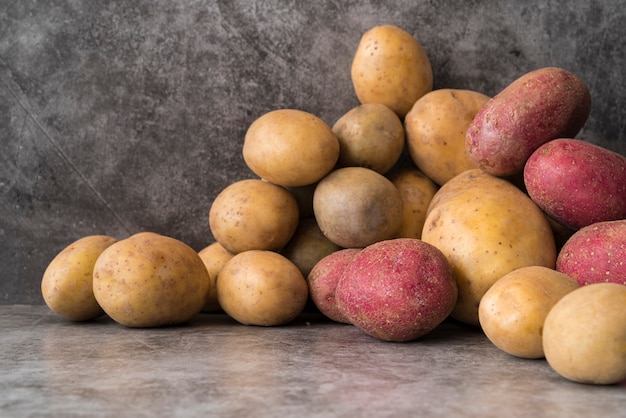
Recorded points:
123,116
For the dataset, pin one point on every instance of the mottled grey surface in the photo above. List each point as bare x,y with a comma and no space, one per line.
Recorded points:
123,116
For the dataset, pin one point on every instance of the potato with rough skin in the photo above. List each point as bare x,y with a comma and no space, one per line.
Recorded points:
512,311
214,256
487,228
435,132
390,67
150,280
584,334
67,283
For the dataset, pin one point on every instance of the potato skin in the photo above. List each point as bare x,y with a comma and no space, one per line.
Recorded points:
214,256
577,183
539,106
595,254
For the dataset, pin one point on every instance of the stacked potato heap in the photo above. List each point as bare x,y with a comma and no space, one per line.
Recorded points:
505,221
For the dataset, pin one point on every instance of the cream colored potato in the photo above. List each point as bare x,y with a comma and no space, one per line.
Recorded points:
487,228
435,132
262,288
370,135
390,67
253,214
150,280
214,256
290,147
417,190
513,310
67,283
584,335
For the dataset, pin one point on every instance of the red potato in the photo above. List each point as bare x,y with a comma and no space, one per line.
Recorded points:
577,183
541,105
397,290
595,254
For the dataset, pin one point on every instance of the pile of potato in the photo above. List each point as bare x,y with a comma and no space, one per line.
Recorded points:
505,222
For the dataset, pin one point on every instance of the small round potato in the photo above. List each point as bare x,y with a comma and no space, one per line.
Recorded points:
253,214
261,288
214,257
67,283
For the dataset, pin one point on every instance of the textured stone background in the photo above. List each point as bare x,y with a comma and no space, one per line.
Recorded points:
123,116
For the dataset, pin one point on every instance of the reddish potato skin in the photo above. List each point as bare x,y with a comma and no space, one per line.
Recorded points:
577,183
595,254
541,105
397,290
322,281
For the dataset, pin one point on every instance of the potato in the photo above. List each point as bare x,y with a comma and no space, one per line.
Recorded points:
539,106
214,256
262,288
253,214
290,147
595,254
416,190
577,183
435,132
487,228
370,135
355,207
150,280
584,335
390,67
67,282
397,290
512,311
322,282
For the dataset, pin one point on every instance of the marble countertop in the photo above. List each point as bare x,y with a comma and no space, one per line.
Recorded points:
312,367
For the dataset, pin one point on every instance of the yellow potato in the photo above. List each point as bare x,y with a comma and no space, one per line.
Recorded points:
370,135
390,67
253,214
150,280
513,310
290,147
214,257
417,190
435,132
487,228
67,283
261,288
584,335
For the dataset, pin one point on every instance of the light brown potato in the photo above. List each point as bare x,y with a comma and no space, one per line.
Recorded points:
391,67
584,335
435,132
67,283
150,280
417,190
253,214
214,256
513,310
261,288
290,147
370,135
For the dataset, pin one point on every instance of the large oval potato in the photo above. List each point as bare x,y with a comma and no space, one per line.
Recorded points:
487,228
390,67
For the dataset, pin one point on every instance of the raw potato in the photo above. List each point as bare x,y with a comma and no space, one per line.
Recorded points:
290,147
513,310
355,207
541,105
253,214
261,288
150,280
214,257
435,132
584,335
487,228
390,67
370,135
67,283
416,190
